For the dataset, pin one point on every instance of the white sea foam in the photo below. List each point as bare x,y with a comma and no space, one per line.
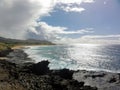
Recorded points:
78,57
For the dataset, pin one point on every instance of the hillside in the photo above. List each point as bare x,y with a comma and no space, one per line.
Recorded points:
6,44
24,42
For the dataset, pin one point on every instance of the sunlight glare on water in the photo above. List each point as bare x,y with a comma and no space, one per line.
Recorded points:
78,56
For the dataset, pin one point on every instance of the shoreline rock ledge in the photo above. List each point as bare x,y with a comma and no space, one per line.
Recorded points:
100,79
20,73
33,77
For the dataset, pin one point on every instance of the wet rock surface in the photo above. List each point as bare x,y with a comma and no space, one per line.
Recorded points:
18,56
17,74
101,80
23,78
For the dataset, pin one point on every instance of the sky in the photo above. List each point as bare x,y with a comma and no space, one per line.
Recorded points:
61,21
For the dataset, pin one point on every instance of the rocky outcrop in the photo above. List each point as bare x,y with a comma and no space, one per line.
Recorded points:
40,68
37,77
5,52
64,73
18,56
101,80
20,73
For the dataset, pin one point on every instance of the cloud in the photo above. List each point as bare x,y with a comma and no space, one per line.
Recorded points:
44,31
19,17
73,9
88,1
48,32
101,37
16,16
74,1
93,39
72,5
82,31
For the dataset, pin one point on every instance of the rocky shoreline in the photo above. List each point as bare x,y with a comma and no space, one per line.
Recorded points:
19,72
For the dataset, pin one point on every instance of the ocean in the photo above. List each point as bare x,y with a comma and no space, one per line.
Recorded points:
95,57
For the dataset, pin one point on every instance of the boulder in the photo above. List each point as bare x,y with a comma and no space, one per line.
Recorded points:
64,73
4,53
40,68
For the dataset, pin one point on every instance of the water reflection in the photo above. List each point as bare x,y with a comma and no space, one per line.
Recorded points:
79,56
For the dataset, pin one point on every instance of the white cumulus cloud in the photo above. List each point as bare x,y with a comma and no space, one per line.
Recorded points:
18,19
101,36
48,32
93,39
73,9
18,16
72,5
74,1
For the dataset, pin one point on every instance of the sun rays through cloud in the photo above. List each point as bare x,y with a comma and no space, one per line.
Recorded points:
75,21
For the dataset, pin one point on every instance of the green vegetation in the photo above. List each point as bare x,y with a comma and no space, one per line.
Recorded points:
4,49
4,46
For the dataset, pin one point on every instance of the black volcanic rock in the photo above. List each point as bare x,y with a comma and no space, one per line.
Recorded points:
64,73
18,56
15,76
40,68
4,53
100,79
36,76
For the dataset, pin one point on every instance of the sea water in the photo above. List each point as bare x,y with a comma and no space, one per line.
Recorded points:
95,57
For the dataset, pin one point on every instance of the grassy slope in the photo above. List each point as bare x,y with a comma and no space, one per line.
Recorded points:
6,43
4,46
24,42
